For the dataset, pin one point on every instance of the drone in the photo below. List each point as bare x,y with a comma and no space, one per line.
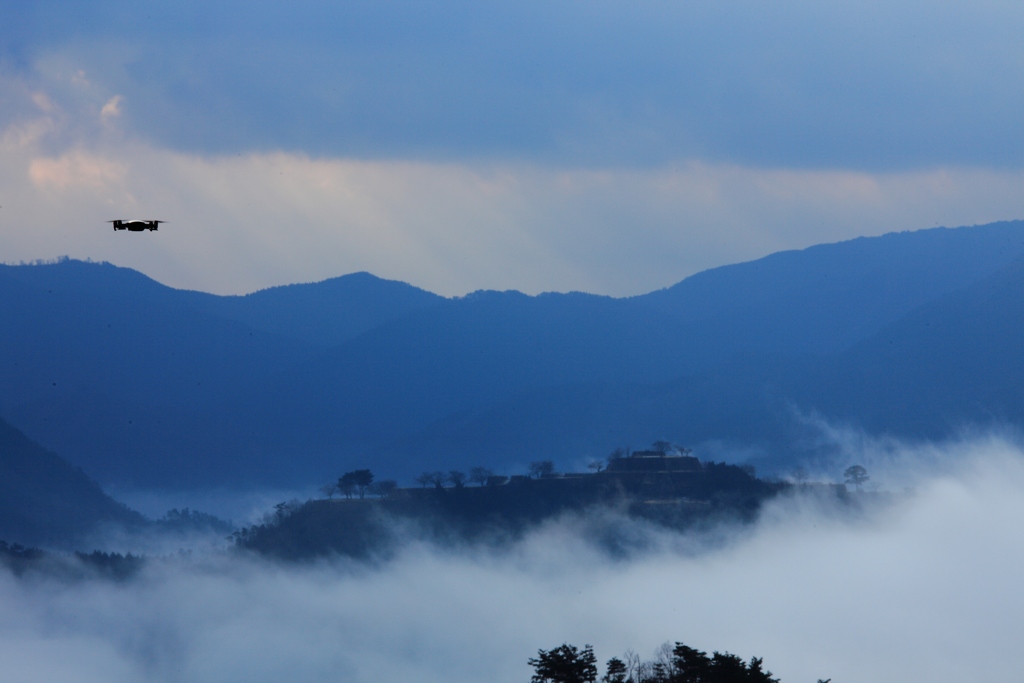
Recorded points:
136,225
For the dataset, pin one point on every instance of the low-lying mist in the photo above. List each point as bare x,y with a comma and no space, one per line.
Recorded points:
919,585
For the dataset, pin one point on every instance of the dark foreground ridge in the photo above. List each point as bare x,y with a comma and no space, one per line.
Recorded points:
22,561
674,491
672,664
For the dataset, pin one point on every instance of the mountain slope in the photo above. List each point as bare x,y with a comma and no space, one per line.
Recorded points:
45,500
326,313
148,386
949,365
955,361
828,297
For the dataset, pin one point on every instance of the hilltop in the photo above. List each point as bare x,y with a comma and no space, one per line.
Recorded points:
673,490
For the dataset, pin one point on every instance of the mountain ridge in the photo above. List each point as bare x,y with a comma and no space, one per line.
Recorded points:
148,386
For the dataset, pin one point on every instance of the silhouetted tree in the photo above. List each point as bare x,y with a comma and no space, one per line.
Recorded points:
542,469
281,512
424,479
346,486
617,454
661,446
329,490
856,475
363,479
595,465
690,665
633,663
358,479
615,671
565,664
457,478
480,475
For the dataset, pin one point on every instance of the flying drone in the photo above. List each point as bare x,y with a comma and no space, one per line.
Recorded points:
136,225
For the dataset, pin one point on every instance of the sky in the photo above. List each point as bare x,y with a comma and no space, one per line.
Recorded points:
610,146
924,586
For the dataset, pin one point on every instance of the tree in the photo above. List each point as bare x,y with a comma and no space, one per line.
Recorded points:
661,446
329,490
690,665
281,512
363,479
457,478
856,475
359,480
595,465
346,486
565,664
542,469
480,475
424,479
615,671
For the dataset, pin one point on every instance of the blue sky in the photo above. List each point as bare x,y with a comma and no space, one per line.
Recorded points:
613,146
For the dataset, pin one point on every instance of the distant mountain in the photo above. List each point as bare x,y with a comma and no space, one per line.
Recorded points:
953,361
323,314
828,297
144,385
45,500
461,355
131,378
949,364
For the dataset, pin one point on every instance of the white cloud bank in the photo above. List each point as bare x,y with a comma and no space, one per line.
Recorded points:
924,590
240,223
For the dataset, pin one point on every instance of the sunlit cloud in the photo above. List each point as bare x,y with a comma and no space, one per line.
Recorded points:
112,108
247,221
76,170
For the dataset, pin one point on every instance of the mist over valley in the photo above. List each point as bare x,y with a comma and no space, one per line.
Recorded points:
816,591
540,341
895,353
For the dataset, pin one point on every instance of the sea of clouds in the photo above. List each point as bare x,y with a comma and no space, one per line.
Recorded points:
921,584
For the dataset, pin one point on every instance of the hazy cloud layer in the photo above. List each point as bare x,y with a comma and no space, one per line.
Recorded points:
243,222
924,588
870,85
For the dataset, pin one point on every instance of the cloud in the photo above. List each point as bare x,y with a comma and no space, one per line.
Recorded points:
922,587
76,170
874,86
43,102
243,222
112,108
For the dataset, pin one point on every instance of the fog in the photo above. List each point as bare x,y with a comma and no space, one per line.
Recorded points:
919,585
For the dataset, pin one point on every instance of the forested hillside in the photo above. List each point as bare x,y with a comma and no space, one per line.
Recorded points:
147,386
45,500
